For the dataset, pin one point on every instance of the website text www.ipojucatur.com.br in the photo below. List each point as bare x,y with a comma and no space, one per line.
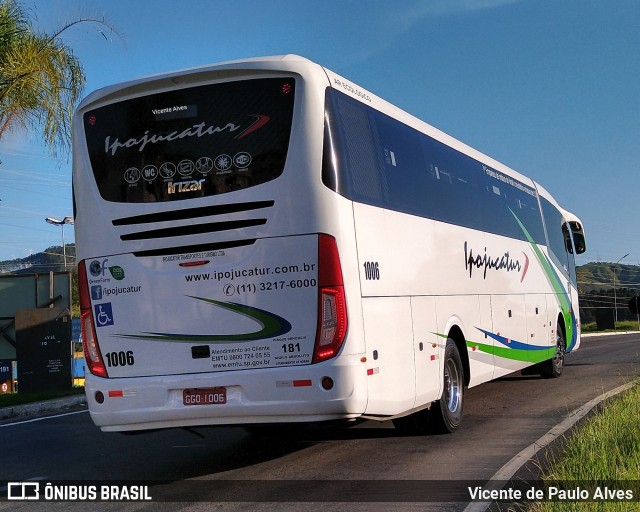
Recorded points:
230,275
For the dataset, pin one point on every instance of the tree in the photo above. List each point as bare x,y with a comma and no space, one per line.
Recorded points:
41,80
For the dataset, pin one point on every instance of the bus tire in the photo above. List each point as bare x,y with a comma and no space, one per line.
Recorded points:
552,368
445,415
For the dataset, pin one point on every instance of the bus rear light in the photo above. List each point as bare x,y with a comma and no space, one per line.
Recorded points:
89,338
90,345
332,306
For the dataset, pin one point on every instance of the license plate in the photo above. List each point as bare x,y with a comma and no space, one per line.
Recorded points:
204,396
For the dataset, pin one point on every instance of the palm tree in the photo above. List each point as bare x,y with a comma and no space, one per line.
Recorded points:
41,80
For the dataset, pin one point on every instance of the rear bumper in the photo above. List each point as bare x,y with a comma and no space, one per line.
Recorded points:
278,395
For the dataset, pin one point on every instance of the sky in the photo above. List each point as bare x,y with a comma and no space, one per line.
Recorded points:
550,88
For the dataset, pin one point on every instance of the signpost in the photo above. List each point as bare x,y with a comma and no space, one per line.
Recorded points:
35,330
43,349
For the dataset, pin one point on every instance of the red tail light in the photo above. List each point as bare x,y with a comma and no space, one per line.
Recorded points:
89,339
332,306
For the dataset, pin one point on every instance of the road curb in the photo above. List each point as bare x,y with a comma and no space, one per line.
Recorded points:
46,406
615,333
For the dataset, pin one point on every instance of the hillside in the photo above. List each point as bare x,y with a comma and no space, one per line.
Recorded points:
595,276
49,260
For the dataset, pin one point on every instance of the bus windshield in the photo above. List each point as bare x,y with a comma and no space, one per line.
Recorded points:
191,142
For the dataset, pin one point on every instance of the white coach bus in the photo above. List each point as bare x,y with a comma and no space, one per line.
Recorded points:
264,242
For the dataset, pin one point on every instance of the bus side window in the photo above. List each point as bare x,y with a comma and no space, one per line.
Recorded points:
554,223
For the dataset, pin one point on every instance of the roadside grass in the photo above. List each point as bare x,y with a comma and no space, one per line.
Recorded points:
13,399
626,325
606,448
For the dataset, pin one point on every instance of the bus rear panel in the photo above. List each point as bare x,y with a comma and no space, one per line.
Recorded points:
204,299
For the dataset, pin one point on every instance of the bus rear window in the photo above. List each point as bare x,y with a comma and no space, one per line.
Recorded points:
193,142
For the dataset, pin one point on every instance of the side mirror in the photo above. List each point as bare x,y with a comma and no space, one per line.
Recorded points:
578,237
579,242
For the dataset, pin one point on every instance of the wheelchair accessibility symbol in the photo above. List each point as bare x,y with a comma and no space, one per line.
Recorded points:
103,314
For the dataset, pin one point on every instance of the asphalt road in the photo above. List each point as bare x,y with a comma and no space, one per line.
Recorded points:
365,462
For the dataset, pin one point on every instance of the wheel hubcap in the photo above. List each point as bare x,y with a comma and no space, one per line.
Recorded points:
452,386
558,360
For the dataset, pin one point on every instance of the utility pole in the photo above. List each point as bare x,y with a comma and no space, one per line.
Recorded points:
61,223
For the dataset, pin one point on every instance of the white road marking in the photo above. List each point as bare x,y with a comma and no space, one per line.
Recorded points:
41,419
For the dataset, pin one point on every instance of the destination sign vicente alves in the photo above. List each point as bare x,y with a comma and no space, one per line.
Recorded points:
159,111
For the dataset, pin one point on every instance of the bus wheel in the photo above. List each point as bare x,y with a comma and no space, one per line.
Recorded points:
446,413
552,368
